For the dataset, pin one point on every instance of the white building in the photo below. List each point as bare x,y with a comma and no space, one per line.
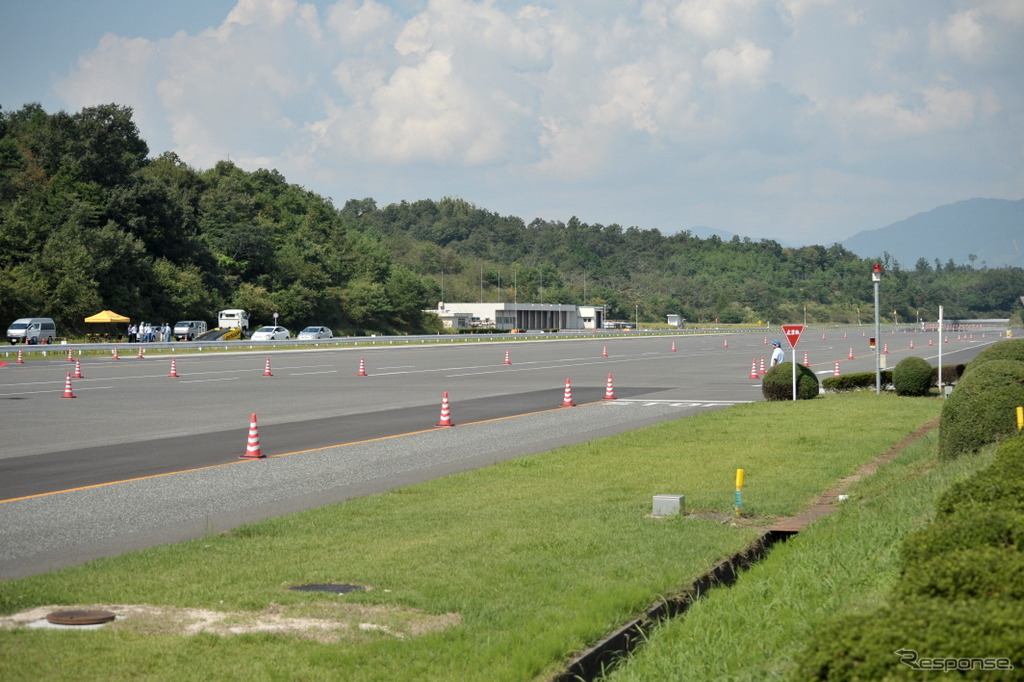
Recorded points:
519,315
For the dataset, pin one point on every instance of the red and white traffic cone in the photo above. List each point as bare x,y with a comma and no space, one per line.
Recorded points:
115,353
766,340
174,370
885,348
252,447
930,341
753,369
70,356
604,351
362,368
844,335
762,365
567,398
508,361
822,336
78,370
140,355
609,392
725,342
266,369
446,411
673,346
21,358
850,356
911,344
836,372
806,364
67,388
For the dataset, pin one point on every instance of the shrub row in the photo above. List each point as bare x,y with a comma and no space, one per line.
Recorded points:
959,602
982,409
857,381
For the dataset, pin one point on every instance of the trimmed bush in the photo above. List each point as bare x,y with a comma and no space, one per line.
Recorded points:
857,381
777,383
1000,485
969,527
983,407
1011,349
912,377
863,647
975,573
950,374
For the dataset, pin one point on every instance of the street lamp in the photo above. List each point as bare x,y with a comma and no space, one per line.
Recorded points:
876,277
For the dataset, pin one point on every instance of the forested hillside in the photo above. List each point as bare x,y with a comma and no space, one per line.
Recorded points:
89,220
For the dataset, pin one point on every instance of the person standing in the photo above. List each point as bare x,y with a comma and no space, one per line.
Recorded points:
132,332
778,355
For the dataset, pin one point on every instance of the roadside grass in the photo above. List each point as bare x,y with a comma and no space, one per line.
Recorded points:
841,565
530,560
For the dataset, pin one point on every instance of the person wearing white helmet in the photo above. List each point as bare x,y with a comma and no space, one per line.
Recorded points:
778,355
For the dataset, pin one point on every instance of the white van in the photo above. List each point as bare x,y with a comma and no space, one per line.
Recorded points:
188,330
233,318
32,330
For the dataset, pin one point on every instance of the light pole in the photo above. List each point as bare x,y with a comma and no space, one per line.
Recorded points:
876,277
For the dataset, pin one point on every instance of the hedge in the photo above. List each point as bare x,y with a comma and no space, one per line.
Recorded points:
777,383
983,407
912,377
1012,349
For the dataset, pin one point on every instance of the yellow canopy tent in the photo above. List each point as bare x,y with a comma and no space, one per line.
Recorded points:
107,316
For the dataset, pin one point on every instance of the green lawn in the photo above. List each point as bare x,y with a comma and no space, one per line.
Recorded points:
498,574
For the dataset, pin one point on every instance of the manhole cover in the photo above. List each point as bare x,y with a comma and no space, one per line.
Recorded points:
80,617
335,588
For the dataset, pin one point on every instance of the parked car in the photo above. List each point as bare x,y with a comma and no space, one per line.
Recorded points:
316,333
32,330
271,334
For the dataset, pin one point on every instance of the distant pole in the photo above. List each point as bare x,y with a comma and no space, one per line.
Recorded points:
940,353
876,277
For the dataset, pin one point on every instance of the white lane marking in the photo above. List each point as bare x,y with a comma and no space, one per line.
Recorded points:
302,374
205,381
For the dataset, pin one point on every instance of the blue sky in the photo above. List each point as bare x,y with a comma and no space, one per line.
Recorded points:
804,121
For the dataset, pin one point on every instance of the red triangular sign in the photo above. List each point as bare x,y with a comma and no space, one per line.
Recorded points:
792,332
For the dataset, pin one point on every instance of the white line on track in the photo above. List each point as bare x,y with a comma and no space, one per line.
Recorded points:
302,374
205,381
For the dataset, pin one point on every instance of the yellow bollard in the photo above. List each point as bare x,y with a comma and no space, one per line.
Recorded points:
738,503
1020,418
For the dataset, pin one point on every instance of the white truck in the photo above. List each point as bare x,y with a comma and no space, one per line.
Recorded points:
233,318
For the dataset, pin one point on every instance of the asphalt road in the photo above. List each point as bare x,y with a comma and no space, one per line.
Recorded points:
139,458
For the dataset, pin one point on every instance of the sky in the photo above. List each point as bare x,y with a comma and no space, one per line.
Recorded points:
802,121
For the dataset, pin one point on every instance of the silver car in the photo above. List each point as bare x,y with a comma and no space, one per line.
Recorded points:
316,333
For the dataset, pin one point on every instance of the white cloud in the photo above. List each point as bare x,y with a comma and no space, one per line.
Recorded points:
743,64
646,109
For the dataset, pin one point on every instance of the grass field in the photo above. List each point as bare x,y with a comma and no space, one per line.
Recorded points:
497,574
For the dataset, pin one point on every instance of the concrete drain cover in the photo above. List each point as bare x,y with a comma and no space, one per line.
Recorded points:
80,617
334,588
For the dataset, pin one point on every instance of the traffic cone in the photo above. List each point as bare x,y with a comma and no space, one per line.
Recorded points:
21,358
850,356
78,370
446,411
836,372
930,341
115,353
70,356
252,447
140,355
673,346
266,369
911,344
766,340
885,348
67,388
753,369
762,364
806,364
508,361
822,337
567,399
844,335
725,342
174,370
604,351
609,392
362,368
